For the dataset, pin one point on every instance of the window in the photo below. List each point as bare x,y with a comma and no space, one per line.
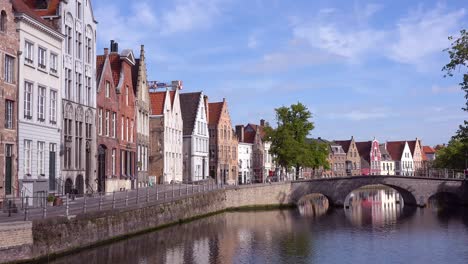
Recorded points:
78,10
100,122
88,91
114,125
40,158
126,95
78,45
41,4
78,144
29,52
42,53
53,63
53,107
27,157
127,127
9,69
122,124
68,84
68,139
41,104
3,21
113,161
107,123
89,50
107,89
9,110
78,87
131,131
68,40
28,100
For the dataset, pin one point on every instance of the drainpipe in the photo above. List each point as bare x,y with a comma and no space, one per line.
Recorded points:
19,53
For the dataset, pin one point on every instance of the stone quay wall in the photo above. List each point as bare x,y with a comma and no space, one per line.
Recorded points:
40,239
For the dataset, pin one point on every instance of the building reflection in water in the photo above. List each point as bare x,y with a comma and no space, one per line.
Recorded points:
313,205
375,205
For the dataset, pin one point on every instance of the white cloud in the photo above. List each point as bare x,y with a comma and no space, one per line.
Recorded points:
445,90
252,43
422,34
190,14
360,115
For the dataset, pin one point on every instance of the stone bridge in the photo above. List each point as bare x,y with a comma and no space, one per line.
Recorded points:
414,190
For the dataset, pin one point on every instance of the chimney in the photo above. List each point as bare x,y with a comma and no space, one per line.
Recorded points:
205,99
142,52
262,122
176,85
224,100
114,46
106,51
240,133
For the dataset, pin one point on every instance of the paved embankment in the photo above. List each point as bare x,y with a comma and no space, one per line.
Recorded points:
42,238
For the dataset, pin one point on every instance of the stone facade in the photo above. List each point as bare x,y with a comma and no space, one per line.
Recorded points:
39,93
223,144
245,155
196,139
9,46
353,159
401,154
166,141
387,163
115,121
369,151
142,111
417,153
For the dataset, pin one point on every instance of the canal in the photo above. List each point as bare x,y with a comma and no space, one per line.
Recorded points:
374,227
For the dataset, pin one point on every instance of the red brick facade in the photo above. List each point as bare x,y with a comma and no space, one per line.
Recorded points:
116,122
9,45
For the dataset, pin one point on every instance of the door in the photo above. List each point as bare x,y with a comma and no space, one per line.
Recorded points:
52,163
101,169
8,169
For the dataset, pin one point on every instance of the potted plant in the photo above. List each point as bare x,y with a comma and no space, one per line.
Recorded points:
50,200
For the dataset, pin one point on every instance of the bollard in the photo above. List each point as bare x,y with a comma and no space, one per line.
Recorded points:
84,204
9,208
157,194
147,195
26,206
100,201
165,195
44,209
113,200
203,187
126,198
138,196
66,206
193,187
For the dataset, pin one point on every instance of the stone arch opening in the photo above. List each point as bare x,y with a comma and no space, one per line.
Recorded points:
68,186
408,197
313,205
443,198
79,184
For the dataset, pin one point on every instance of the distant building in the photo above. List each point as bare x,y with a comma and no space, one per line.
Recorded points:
353,159
196,138
166,140
387,163
429,152
369,151
223,144
9,46
245,154
417,154
401,154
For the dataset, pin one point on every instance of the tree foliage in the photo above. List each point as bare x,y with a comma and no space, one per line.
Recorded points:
455,155
289,141
458,53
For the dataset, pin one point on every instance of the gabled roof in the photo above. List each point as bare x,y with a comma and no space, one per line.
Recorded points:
364,149
21,7
100,60
383,151
395,149
215,112
157,102
116,66
135,71
429,150
345,144
189,103
257,128
412,146
51,10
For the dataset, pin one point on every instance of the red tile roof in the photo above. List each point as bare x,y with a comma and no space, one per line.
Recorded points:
21,7
100,60
395,148
116,65
51,9
249,137
412,146
214,112
364,149
344,144
157,102
429,150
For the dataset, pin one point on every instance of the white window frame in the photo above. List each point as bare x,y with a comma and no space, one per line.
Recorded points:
107,122
53,63
113,161
27,157
53,107
100,121
41,102
114,124
28,103
40,158
9,69
107,89
29,53
41,58
9,113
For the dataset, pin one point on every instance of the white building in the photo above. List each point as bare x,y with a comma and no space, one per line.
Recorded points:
196,138
386,162
401,154
244,154
166,136
39,95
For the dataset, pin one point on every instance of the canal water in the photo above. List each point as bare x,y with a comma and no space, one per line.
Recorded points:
374,227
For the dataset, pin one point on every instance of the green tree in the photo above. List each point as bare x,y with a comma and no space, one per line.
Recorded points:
455,155
458,53
289,142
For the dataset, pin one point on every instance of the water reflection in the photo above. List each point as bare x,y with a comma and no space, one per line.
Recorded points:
313,205
374,205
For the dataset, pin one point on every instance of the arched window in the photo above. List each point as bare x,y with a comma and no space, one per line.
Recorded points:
3,21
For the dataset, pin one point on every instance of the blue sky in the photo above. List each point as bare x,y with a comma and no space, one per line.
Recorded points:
363,68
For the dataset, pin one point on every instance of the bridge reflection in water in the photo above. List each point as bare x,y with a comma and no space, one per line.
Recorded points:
375,205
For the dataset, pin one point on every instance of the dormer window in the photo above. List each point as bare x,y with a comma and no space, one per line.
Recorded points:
3,21
42,4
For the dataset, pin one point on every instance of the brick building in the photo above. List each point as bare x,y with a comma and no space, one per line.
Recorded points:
223,144
142,111
353,159
9,46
